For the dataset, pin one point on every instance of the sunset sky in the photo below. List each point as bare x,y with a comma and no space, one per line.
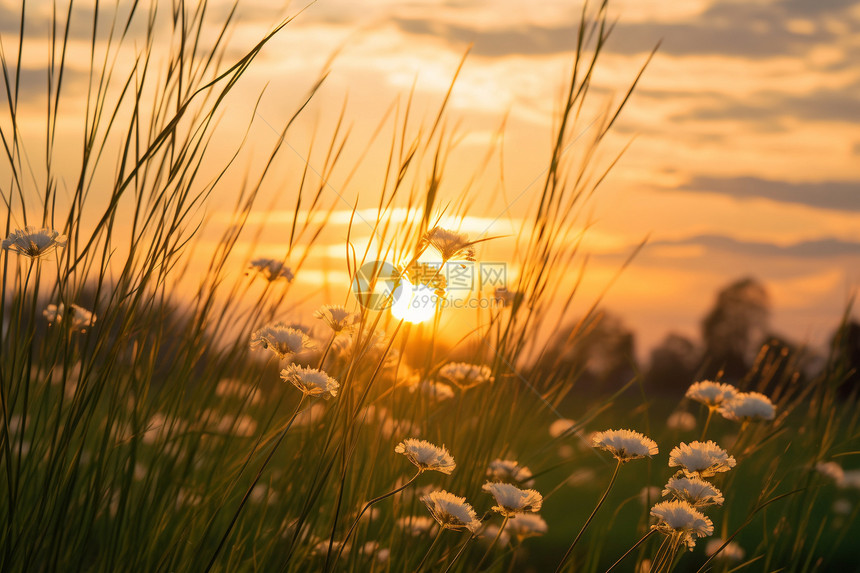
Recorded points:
745,154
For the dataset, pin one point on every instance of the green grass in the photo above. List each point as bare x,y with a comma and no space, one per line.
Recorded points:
119,451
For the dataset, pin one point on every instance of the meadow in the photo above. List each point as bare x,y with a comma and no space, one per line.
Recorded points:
157,419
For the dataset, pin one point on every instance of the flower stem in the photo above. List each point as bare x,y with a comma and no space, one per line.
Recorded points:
629,551
590,517
493,544
668,553
254,483
367,506
660,556
429,550
325,353
707,423
457,556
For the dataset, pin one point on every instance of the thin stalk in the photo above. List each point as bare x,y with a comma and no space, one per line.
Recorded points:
325,353
629,551
430,550
590,517
457,556
493,543
254,483
670,556
367,506
707,423
660,556
25,410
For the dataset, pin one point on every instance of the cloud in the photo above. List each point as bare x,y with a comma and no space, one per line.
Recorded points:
812,249
522,40
746,30
829,104
837,195
33,83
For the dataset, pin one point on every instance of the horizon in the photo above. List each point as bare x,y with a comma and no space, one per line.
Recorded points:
761,180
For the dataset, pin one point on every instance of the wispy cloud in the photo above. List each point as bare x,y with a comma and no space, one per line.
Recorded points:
817,248
838,195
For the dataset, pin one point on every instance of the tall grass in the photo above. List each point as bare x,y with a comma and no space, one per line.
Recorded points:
157,440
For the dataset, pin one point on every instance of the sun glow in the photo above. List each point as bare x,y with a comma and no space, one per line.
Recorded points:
414,303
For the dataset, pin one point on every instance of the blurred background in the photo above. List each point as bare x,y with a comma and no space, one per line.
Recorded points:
743,141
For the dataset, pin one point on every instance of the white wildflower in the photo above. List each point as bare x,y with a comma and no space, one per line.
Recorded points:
711,394
450,511
748,406
512,500
509,470
310,381
435,391
77,317
336,317
450,244
695,491
33,242
466,375
524,525
281,339
679,518
703,459
271,269
625,445
731,552
426,456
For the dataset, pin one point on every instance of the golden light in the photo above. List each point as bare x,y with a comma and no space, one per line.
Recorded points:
414,303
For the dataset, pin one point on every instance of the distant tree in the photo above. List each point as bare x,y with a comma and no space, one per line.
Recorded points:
845,343
673,364
738,319
601,353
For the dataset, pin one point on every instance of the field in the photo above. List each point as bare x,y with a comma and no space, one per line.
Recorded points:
156,418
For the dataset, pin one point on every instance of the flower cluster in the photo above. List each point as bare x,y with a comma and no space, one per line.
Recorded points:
466,375
271,270
748,406
711,394
310,381
336,317
282,340
77,318
701,459
509,470
426,456
625,445
451,511
512,500
450,244
680,520
33,242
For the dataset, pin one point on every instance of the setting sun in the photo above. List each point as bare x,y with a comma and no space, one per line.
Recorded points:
414,303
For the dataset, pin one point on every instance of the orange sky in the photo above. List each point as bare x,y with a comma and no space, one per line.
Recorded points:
746,158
